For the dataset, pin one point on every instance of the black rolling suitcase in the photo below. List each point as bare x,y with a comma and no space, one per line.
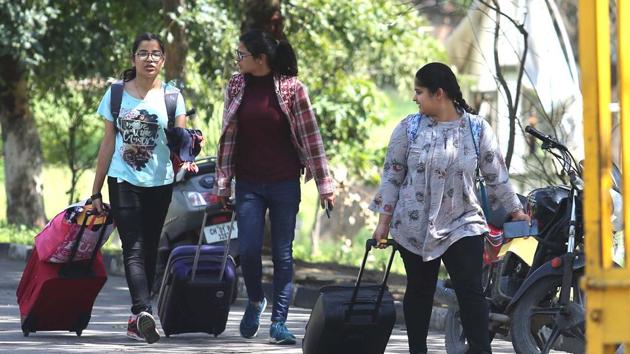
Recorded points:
353,318
196,292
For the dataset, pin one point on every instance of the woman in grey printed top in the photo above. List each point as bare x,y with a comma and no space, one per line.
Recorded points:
427,201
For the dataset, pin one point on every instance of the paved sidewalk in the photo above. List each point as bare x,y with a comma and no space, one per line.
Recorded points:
106,331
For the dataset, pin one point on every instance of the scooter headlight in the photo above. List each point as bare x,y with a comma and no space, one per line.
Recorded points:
199,199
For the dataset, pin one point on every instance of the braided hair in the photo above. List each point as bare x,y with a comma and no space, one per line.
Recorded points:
436,75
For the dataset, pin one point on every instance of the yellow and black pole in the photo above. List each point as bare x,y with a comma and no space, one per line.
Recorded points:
607,287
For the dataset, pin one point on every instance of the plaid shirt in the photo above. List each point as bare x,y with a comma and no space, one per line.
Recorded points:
305,136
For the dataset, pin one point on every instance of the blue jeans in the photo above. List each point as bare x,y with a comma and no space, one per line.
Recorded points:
283,201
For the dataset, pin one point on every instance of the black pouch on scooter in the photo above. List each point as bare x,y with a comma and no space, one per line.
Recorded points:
197,288
352,319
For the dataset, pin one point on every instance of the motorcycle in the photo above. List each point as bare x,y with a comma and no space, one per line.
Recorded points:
532,284
548,310
192,197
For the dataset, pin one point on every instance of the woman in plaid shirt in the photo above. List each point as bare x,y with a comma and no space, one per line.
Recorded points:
269,136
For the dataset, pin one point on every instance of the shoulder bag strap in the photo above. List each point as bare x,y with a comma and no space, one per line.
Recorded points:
476,136
413,125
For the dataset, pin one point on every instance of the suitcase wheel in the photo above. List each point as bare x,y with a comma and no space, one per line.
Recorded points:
79,332
27,326
167,335
215,335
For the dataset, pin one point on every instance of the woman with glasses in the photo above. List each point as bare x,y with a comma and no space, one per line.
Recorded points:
269,136
136,160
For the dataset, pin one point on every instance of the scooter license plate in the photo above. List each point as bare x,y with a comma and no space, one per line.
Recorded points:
219,232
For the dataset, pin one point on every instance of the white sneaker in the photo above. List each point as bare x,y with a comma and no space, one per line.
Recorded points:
147,328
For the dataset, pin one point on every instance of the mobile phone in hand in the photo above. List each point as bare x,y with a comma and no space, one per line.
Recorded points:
328,207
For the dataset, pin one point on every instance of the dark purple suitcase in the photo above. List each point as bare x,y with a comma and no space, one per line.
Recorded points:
352,319
196,292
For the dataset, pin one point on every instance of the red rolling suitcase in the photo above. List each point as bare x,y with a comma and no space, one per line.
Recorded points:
55,296
352,319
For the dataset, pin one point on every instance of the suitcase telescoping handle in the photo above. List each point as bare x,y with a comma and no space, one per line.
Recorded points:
201,237
369,244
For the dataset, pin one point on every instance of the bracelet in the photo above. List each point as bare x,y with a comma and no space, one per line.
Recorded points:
96,195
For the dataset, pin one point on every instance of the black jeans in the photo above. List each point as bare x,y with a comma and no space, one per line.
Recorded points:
139,213
464,262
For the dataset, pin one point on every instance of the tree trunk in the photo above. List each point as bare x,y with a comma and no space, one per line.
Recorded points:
21,148
265,15
176,43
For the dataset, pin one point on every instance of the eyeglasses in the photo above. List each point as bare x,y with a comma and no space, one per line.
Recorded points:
144,55
240,55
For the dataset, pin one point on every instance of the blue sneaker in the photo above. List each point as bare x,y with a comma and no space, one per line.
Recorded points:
251,319
279,334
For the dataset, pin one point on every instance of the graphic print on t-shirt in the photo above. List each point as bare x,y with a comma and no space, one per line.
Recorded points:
139,131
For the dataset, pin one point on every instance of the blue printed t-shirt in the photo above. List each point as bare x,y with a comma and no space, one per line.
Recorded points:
141,156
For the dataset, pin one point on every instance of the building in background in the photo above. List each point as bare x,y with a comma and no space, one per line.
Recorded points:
550,95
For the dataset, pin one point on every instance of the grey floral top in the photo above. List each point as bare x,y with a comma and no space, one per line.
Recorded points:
428,183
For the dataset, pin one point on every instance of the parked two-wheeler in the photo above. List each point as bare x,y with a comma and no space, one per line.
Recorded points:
548,310
539,301
192,197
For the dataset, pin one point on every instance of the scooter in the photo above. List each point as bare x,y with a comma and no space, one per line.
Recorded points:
192,197
533,289
548,309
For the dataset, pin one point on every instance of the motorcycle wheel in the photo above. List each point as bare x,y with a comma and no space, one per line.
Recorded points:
534,328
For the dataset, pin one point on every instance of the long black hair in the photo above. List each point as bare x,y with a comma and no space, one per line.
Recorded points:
437,75
130,73
280,54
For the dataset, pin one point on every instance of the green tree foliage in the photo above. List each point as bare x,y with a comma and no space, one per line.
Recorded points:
347,51
70,129
22,27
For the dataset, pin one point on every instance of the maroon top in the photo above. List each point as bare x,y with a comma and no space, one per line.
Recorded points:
264,152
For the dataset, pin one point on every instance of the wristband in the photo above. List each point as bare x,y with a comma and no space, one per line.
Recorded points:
97,195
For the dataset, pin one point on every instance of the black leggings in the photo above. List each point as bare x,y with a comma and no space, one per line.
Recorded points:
139,213
464,262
